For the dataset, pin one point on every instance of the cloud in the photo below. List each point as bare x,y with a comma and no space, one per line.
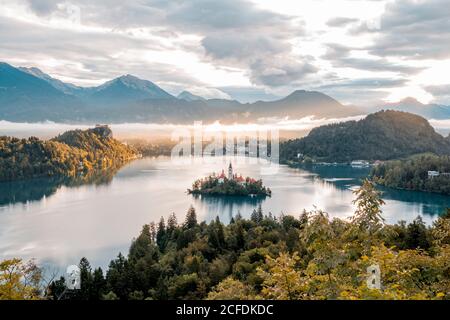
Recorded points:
233,33
368,83
202,43
267,58
340,57
84,55
363,92
43,7
237,47
413,29
209,93
279,72
440,92
249,94
341,21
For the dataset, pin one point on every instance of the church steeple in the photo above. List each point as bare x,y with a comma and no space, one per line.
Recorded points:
230,172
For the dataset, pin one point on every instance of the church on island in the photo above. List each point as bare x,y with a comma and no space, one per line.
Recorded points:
240,179
229,184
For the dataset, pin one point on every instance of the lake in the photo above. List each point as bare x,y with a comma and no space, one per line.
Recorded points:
58,222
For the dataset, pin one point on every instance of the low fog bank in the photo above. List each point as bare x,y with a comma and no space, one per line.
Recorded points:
153,132
288,128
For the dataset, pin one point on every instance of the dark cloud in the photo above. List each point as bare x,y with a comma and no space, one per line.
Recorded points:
280,71
237,47
341,21
43,7
439,90
412,29
441,93
363,92
221,15
340,57
268,59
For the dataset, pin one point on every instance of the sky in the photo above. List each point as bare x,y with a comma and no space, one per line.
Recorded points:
360,52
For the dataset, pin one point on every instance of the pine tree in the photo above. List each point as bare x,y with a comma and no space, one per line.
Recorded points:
161,235
98,284
172,222
417,235
191,219
254,216
260,214
86,279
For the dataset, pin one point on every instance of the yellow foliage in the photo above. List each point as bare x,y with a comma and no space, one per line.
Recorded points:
19,280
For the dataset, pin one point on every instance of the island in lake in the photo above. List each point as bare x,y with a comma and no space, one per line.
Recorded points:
229,185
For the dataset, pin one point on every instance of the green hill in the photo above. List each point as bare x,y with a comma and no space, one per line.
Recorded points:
71,154
380,136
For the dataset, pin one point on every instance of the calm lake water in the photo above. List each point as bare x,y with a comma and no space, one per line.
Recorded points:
58,222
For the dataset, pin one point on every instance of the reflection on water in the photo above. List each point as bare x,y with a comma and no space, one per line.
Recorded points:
347,177
60,221
24,191
225,207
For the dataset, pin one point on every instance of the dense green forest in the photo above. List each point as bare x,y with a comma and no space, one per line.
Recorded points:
306,257
70,154
212,185
383,135
412,174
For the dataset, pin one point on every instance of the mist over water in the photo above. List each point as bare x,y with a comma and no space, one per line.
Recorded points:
47,130
289,128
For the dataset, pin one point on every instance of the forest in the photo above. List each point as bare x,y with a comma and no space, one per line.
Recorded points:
305,257
384,135
71,154
412,174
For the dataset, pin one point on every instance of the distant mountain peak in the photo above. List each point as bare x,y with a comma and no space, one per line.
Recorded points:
139,88
131,78
188,96
33,70
131,82
410,104
310,97
5,66
306,93
67,88
410,101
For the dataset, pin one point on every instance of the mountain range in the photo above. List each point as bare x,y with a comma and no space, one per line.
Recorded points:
429,111
30,95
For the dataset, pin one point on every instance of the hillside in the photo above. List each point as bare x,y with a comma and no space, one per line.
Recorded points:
412,174
380,136
71,154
